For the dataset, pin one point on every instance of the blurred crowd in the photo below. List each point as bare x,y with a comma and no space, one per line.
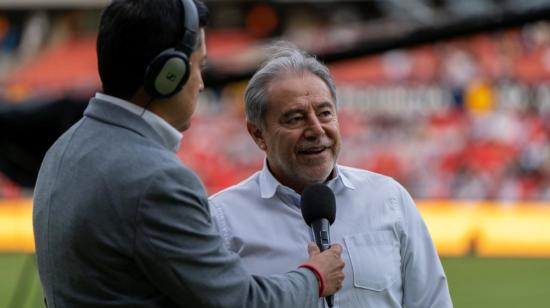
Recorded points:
467,118
453,154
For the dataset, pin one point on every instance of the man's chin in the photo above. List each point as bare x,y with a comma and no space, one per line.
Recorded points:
185,126
311,176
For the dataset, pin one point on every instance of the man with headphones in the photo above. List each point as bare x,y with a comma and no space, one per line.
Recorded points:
118,219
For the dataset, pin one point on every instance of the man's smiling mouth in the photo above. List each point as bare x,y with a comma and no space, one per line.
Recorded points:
312,151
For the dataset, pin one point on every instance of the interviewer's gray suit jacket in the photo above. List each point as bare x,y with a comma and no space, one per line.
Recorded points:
120,221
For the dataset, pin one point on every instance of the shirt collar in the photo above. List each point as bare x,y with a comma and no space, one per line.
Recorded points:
269,184
340,179
171,136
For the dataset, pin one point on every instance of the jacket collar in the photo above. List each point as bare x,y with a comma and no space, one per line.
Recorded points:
109,113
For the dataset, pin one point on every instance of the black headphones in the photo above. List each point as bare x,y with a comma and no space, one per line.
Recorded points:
169,70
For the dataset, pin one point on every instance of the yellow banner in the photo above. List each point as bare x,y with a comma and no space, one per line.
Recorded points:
458,228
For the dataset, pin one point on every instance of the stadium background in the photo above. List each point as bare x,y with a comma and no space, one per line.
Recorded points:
451,98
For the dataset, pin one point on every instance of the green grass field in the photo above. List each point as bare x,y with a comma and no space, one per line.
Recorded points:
502,283
19,283
474,282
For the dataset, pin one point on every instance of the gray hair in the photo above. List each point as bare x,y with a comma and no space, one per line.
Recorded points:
284,59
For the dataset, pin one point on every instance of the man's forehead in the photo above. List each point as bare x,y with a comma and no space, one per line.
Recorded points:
306,104
294,90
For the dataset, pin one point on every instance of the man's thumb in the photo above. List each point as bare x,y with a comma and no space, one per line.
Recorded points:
312,249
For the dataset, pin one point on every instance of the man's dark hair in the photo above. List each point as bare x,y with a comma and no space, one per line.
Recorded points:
131,34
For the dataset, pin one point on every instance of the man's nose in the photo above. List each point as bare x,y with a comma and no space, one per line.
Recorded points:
314,128
201,85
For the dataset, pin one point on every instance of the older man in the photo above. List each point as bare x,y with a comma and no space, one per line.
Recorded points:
291,111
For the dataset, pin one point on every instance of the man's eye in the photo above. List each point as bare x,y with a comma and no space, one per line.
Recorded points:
326,114
294,120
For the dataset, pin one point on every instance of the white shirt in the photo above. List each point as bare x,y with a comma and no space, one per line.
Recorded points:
171,136
390,257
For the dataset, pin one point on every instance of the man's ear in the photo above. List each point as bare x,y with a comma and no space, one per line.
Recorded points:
256,134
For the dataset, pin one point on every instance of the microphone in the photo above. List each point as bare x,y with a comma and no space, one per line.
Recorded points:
318,206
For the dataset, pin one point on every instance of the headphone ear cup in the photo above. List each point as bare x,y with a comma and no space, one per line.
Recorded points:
166,74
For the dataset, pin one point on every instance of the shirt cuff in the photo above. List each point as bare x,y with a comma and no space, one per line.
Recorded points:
319,276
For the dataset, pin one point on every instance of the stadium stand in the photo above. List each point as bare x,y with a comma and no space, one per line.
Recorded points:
463,117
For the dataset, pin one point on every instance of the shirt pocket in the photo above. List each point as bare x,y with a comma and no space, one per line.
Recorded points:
375,259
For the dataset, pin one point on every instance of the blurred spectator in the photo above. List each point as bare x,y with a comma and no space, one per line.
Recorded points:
9,39
34,34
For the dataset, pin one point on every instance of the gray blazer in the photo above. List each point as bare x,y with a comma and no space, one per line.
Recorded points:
119,221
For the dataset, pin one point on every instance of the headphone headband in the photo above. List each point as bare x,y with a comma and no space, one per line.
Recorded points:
191,26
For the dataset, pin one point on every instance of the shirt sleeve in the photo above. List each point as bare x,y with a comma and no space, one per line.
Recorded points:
180,251
424,281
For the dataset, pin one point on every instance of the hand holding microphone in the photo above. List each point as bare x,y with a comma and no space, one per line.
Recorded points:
319,211
330,265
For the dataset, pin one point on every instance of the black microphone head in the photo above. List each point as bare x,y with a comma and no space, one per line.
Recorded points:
318,202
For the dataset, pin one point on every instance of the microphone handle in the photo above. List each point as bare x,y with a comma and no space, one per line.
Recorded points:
330,300
321,235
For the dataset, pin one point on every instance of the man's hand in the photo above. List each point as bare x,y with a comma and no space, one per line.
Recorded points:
330,265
